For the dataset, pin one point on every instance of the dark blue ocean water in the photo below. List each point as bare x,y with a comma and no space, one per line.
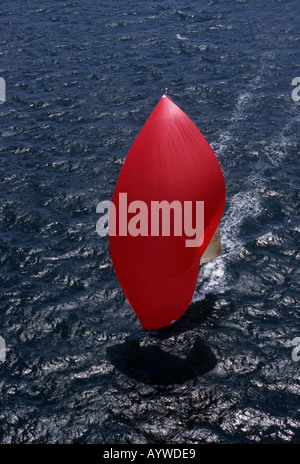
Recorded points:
81,78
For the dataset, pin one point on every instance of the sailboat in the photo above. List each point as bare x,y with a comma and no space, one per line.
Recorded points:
170,166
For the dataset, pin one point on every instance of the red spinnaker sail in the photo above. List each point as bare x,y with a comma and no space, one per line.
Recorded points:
170,160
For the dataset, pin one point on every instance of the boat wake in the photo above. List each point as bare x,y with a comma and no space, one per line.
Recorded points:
213,276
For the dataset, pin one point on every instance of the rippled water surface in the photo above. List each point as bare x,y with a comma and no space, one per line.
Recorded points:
81,79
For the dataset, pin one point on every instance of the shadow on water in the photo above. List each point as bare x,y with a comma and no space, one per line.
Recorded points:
152,365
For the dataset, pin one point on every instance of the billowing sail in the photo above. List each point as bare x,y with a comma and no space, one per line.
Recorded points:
167,204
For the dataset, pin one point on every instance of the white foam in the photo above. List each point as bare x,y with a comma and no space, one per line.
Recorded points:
279,147
104,266
213,275
180,37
